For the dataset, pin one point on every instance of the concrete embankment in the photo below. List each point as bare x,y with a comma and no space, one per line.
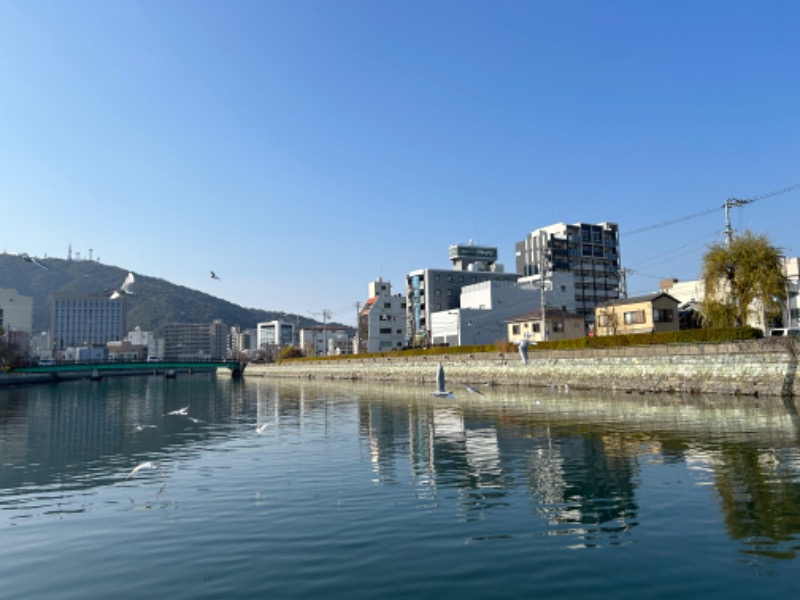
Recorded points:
753,368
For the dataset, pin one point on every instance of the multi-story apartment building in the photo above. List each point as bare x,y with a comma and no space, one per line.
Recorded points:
382,321
87,320
590,252
240,340
433,290
189,341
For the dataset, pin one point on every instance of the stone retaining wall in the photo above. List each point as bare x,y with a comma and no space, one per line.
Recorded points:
759,368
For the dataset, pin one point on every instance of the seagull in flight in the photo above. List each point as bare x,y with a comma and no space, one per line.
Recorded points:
215,276
125,289
140,467
181,411
473,390
31,259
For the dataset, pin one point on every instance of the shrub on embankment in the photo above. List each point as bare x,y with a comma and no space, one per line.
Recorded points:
687,336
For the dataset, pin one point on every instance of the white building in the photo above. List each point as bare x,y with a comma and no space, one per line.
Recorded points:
271,334
487,306
16,311
382,321
434,290
792,311
324,340
155,346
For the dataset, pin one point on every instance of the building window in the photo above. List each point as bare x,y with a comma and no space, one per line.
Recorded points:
385,330
635,317
662,316
558,326
536,327
602,320
515,329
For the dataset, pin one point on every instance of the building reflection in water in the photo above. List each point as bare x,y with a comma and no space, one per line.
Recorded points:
580,458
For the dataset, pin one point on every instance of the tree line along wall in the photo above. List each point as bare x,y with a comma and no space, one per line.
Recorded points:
764,367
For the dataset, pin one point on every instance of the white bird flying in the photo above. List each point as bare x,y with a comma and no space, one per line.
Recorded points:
31,259
215,276
472,389
141,466
35,261
262,428
181,411
125,289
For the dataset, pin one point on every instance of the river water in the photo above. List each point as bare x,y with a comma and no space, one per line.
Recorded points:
288,489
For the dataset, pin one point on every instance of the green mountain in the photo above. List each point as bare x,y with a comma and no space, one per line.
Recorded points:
155,302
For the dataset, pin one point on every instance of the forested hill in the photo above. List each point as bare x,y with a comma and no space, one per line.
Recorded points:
156,302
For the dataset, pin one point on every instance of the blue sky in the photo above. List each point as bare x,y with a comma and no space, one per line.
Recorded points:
302,149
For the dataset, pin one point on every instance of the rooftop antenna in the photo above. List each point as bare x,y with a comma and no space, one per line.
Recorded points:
69,252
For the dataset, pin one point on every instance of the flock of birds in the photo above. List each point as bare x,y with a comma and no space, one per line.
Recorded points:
123,290
179,412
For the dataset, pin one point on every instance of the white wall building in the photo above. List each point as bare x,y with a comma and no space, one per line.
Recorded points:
270,334
486,306
322,340
382,321
17,311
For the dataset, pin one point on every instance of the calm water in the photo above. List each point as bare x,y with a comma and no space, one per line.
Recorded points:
369,491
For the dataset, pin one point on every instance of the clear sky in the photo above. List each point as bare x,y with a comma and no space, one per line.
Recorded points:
302,149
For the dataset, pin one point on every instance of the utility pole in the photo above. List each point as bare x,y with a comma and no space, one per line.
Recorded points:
326,314
728,229
623,283
542,269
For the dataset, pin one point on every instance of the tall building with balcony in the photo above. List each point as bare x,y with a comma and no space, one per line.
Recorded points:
434,290
591,252
87,320
382,321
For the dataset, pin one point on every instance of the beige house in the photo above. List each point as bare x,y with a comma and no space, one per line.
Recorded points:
643,314
559,325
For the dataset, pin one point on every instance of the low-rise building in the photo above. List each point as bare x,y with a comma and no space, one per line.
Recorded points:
642,314
558,325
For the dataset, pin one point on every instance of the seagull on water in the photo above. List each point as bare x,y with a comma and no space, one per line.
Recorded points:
440,391
125,289
140,467
215,276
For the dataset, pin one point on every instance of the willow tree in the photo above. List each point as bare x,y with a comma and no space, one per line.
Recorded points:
741,277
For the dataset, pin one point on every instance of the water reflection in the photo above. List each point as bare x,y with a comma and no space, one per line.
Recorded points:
582,461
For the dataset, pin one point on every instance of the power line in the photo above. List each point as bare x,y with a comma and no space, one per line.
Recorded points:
728,203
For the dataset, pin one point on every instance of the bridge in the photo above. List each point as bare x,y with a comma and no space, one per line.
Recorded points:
96,368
